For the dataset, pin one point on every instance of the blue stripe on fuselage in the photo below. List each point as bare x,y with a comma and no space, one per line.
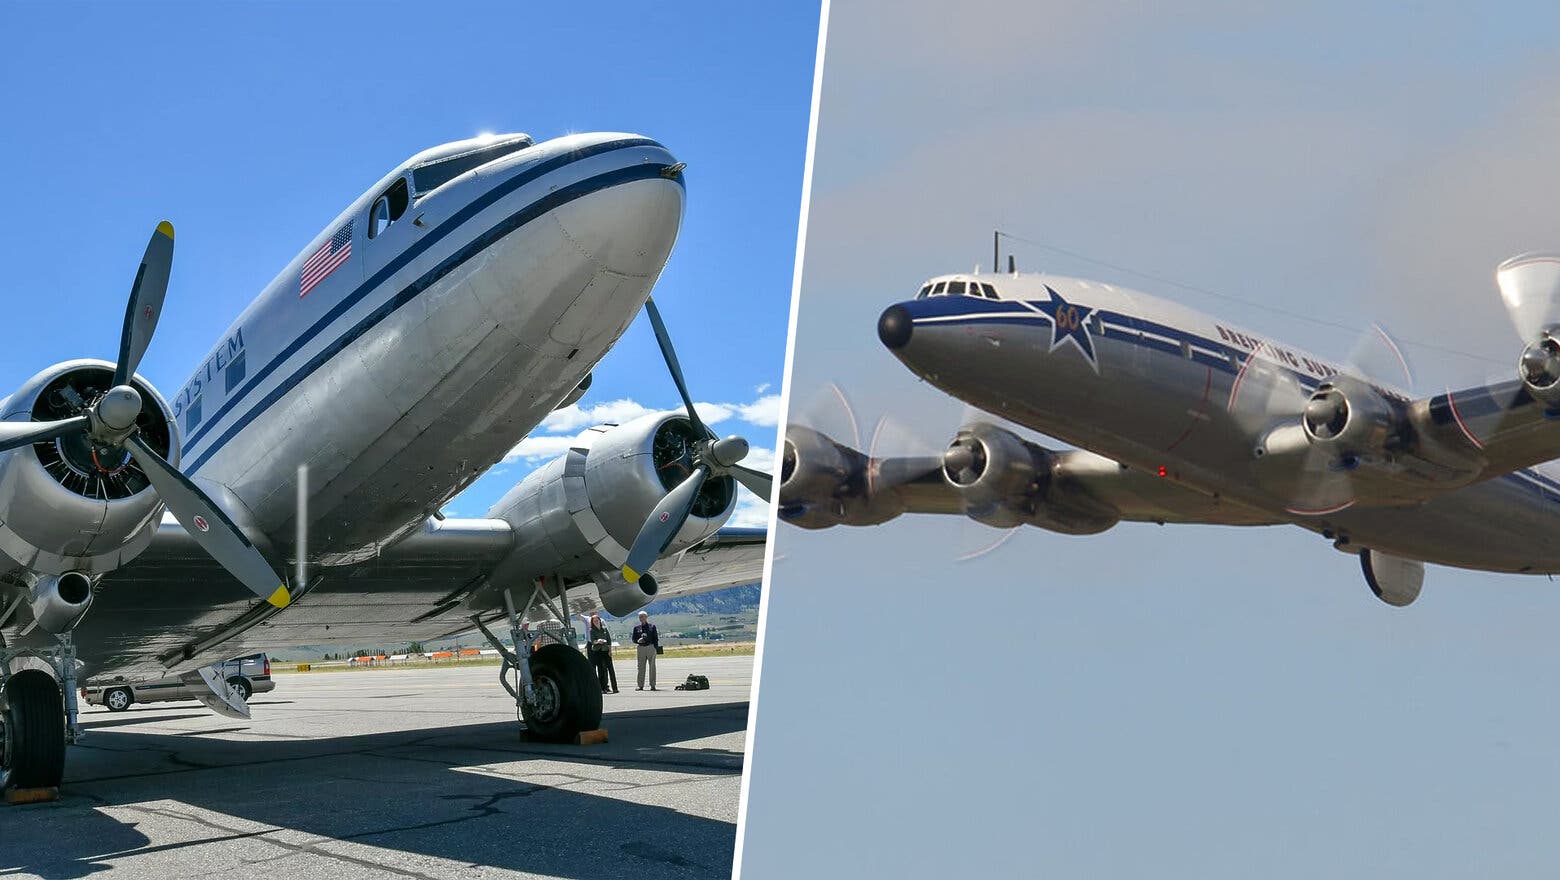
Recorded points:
530,212
413,251
962,310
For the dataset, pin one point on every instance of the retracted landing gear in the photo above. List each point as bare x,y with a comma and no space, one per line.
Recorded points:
557,693
37,717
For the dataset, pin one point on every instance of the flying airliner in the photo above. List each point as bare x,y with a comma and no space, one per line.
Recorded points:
1178,417
405,350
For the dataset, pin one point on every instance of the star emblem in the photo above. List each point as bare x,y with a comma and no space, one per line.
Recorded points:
1069,323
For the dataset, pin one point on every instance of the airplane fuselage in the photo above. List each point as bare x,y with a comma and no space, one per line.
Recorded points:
1164,389
400,371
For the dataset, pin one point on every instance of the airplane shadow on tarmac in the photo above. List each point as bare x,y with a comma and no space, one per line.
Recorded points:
412,791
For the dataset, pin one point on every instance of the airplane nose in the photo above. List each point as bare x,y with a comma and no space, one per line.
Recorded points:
629,228
894,327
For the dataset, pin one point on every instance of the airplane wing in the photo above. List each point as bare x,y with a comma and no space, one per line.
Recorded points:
1009,482
1501,426
174,609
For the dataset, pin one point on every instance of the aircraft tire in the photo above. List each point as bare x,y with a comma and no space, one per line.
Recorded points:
242,685
35,731
118,699
569,698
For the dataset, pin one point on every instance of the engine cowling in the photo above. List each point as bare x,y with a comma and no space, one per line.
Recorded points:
1539,367
822,483
62,507
578,515
1349,417
1004,481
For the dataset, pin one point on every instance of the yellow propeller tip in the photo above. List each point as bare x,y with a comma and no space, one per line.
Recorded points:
165,228
630,575
281,598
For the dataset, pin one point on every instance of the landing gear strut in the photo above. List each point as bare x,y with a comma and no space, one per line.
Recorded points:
37,716
558,695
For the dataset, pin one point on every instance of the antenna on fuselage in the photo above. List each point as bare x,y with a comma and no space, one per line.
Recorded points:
996,254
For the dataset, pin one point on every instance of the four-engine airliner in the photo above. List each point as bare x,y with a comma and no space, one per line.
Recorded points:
1178,417
416,340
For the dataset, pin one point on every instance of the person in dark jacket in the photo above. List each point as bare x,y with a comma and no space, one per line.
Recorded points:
598,645
648,640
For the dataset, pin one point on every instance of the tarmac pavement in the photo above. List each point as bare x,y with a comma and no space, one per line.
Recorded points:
397,773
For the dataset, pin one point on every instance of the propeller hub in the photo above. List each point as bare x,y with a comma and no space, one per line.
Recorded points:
964,461
1540,364
729,451
1326,413
119,408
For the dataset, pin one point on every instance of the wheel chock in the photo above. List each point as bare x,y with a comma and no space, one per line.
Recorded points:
18,796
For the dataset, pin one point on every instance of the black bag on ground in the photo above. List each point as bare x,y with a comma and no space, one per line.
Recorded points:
695,683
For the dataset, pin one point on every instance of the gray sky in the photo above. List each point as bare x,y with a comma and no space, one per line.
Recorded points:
1176,701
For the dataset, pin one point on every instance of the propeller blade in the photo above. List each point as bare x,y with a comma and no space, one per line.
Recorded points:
670,355
663,524
828,411
1530,286
1264,395
146,302
209,526
1377,357
14,435
759,483
1322,486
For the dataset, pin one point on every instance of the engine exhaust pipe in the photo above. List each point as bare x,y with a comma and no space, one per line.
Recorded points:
60,600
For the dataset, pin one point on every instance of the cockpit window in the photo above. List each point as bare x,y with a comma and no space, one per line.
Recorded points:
925,290
991,292
439,172
388,208
938,290
956,288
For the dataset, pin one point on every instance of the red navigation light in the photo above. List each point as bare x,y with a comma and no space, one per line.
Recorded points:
1163,472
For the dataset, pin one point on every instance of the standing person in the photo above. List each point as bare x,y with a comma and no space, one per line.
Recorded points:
648,640
599,647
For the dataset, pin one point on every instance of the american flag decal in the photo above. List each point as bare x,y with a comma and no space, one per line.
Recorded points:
326,260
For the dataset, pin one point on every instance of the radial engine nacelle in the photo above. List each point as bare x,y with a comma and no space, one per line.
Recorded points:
64,506
1004,481
577,516
1352,418
824,483
1539,367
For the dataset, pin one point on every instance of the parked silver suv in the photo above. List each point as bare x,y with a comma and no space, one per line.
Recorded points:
245,676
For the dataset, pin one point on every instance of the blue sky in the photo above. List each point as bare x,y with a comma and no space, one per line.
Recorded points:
250,127
1162,701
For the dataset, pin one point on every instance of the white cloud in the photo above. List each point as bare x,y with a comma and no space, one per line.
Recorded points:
761,388
750,513
535,448
760,458
575,417
559,430
764,412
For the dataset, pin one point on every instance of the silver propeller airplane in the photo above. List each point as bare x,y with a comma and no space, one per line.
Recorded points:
424,332
1179,417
